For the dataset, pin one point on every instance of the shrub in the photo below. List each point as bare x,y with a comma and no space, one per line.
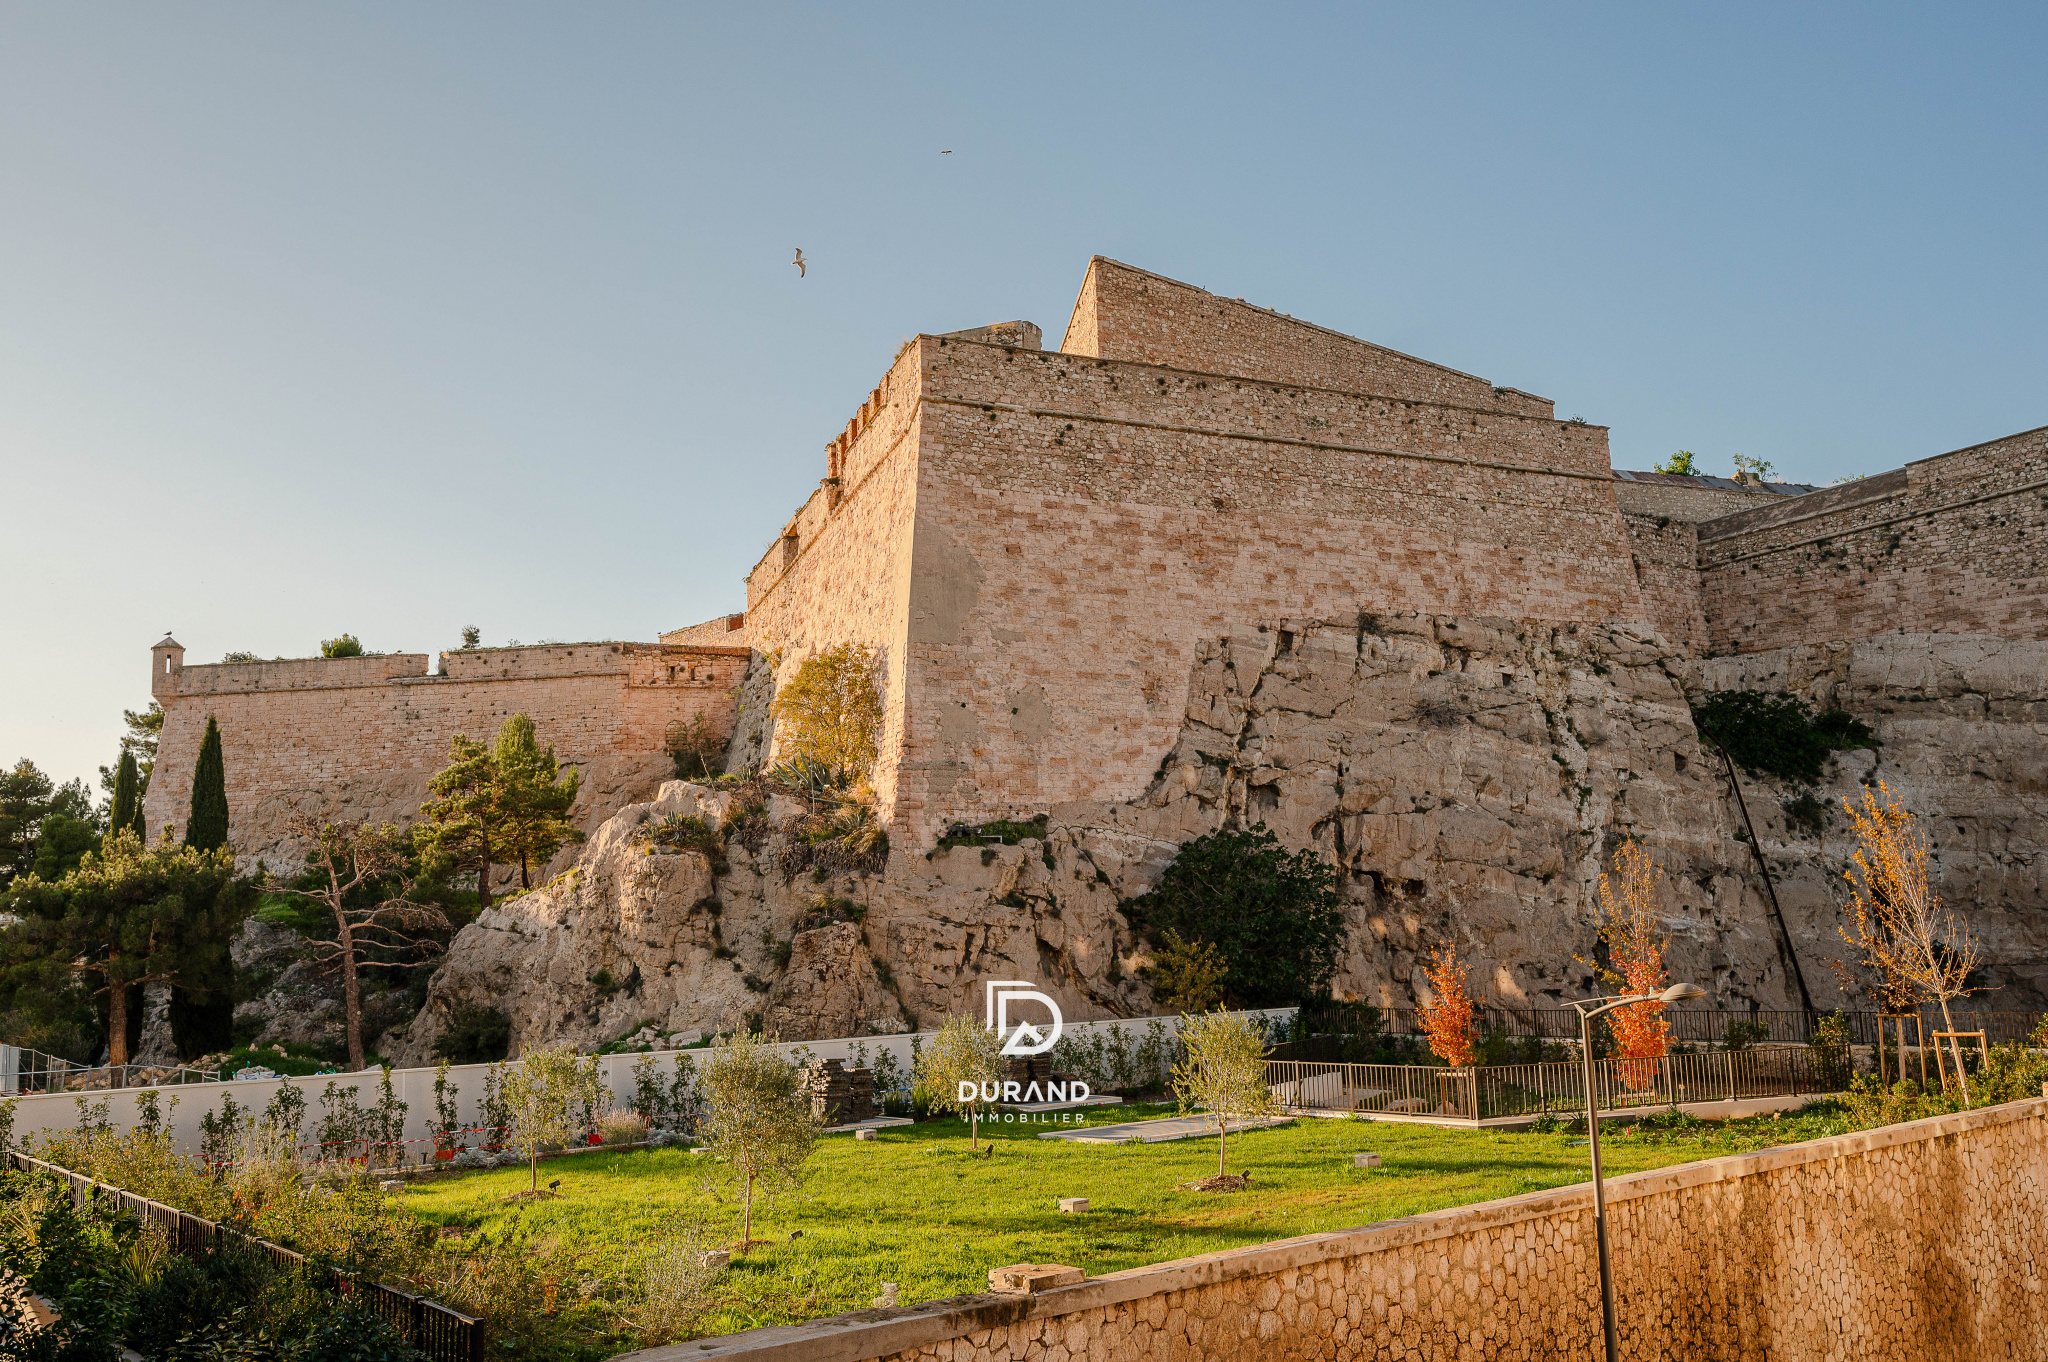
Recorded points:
695,748
831,710
1186,976
1741,1035
345,646
1832,1057
675,1286
1276,919
475,1034
1776,734
684,833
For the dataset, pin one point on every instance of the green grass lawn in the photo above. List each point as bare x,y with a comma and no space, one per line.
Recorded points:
915,1208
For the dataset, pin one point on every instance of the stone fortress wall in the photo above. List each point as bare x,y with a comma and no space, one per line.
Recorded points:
1037,542
360,737
1071,526
1038,545
1955,544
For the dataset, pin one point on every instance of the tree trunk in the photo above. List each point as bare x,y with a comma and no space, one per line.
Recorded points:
533,1166
117,1022
524,881
352,996
483,878
1955,1049
974,1130
1222,1135
747,1216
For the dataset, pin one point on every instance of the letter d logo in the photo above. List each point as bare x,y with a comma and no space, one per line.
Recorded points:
1026,1039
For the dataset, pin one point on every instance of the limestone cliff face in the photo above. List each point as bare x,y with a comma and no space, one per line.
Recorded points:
1962,724
1470,777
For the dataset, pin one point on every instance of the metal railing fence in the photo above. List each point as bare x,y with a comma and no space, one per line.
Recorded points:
1507,1090
444,1335
1697,1026
23,1070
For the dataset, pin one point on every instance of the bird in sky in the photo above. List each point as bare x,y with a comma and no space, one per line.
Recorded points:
945,153
799,262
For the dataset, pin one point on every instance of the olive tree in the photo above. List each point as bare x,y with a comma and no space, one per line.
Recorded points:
757,1119
959,1069
1223,1071
550,1099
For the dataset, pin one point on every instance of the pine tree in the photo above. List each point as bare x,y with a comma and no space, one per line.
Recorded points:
533,797
207,828
128,916
203,998
127,811
459,828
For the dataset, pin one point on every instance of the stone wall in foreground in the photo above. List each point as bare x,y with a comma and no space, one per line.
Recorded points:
1914,1243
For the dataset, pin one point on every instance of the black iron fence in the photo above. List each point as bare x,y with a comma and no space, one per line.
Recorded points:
1691,1026
444,1335
1507,1090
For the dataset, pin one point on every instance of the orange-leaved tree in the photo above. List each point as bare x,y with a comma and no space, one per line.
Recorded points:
1904,930
1634,933
1448,1020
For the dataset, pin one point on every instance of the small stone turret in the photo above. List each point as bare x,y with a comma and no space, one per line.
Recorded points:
166,660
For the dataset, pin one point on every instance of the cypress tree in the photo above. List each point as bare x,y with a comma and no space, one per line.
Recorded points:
207,828
127,811
203,998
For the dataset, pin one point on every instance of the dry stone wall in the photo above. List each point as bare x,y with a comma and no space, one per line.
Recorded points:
360,737
1956,544
1913,1243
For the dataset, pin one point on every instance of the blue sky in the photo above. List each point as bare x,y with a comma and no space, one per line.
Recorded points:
396,318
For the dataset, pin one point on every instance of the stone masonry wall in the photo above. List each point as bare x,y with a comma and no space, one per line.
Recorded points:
1956,544
1667,562
1638,495
1133,314
1083,524
1913,1243
361,736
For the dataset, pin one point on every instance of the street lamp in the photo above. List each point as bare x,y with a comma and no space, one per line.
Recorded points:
1588,1009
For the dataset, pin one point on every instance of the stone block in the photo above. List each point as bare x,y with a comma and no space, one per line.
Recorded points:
1074,1205
1365,1160
863,1134
1028,1279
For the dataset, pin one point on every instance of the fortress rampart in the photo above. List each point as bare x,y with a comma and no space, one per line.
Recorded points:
1955,544
1037,545
1037,542
361,736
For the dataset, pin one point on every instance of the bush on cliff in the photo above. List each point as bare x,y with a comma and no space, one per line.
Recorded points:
1276,919
831,711
1778,735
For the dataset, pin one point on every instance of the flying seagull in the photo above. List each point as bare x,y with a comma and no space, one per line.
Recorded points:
799,262
945,153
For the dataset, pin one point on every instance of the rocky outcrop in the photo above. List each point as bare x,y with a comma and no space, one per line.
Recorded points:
1962,727
1470,777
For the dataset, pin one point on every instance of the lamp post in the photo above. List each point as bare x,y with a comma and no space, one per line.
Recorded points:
1588,1010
